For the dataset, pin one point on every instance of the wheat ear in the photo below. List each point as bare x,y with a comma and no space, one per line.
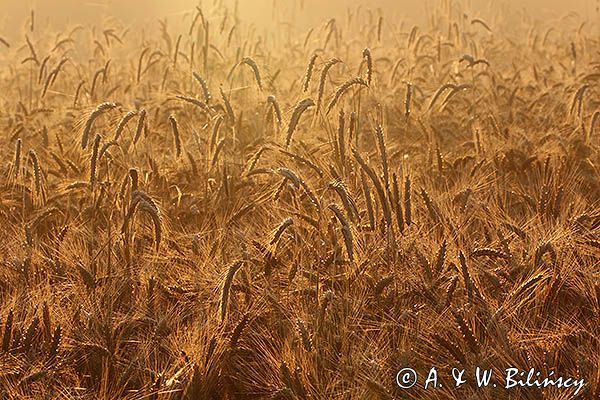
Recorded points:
343,89
176,137
99,110
300,108
233,269
252,64
309,72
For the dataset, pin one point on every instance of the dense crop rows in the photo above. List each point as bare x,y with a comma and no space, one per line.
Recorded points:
193,210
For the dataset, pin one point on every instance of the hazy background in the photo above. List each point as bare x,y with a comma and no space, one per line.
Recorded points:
61,12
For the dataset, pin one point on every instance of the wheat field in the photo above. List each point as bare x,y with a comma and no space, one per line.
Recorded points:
192,209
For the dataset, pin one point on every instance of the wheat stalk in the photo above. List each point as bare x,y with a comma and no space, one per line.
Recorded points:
204,85
309,72
228,108
383,154
369,60
407,201
176,137
140,126
323,79
346,232
98,111
343,89
397,204
32,155
94,160
281,228
252,64
17,163
272,101
378,187
123,123
300,108
233,269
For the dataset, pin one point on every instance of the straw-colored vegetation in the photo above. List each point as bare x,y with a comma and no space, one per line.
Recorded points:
192,210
